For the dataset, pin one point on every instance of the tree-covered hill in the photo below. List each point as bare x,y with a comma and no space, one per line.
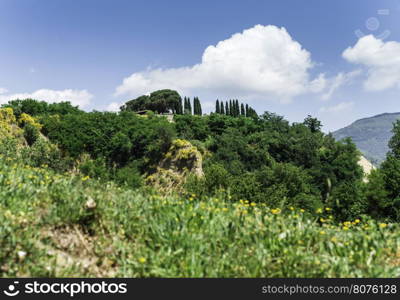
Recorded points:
371,135
226,194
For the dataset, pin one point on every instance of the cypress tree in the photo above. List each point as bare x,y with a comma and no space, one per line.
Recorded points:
227,112
252,113
247,110
217,107
222,110
230,108
242,112
180,107
197,106
189,106
199,110
237,108
194,106
184,105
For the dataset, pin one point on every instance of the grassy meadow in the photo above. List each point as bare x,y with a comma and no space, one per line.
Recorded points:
70,225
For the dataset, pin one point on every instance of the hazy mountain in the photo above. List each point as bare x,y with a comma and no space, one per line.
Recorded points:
371,135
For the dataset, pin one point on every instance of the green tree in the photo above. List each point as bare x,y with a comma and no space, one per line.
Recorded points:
217,107
394,142
200,110
138,104
161,101
376,195
242,111
313,123
197,106
390,172
179,109
237,109
38,108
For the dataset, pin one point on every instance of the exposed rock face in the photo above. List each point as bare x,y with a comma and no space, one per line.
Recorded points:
367,167
181,160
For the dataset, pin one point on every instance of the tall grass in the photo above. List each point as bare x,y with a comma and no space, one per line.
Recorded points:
141,233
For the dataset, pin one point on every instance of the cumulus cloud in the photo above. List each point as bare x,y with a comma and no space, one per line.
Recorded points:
113,106
263,61
340,107
338,81
76,97
382,60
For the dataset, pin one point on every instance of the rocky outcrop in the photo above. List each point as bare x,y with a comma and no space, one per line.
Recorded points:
367,167
181,160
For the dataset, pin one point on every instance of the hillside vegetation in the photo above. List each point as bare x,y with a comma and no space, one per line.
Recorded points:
230,194
68,225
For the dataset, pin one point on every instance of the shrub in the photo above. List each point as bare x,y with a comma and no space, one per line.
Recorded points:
94,168
31,134
129,176
44,153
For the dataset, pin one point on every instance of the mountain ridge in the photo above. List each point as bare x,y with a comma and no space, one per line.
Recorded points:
371,135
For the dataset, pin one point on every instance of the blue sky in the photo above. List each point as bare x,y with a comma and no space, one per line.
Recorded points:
83,50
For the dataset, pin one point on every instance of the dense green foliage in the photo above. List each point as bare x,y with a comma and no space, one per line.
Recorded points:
259,158
161,101
384,187
268,160
269,187
37,108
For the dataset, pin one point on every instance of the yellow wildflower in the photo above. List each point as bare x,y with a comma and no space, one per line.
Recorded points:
275,211
142,260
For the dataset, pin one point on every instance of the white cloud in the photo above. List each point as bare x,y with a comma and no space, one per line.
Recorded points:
382,60
261,62
76,97
3,90
338,81
113,106
340,107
